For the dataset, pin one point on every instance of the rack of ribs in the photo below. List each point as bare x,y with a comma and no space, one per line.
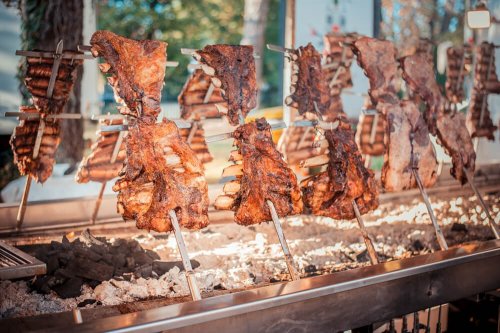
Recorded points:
378,60
332,192
407,140
231,69
197,98
450,127
195,138
338,59
408,144
136,70
37,77
370,134
261,175
458,62
478,121
308,89
161,172
98,165
23,145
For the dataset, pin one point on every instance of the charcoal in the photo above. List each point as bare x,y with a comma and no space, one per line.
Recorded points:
41,284
153,255
71,288
99,249
108,258
119,260
130,262
162,267
65,257
122,271
144,271
52,264
459,227
363,256
94,283
64,273
84,252
142,258
417,246
86,302
91,270
310,269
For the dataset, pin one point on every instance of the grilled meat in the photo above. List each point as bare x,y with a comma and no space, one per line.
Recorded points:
137,70
408,146
232,69
449,126
458,60
23,143
331,192
370,134
193,100
479,122
161,174
308,90
98,166
38,72
299,143
378,60
261,175
195,138
338,59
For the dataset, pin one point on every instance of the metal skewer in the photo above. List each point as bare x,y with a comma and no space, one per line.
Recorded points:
439,233
193,287
180,123
224,136
494,227
368,241
187,51
284,245
30,116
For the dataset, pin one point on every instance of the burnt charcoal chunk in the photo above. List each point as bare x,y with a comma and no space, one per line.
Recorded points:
71,288
42,284
88,269
142,258
86,302
52,264
162,267
144,271
459,227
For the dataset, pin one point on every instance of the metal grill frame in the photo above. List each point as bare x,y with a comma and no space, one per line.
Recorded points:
18,264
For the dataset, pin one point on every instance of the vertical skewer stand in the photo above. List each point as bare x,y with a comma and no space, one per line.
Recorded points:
193,287
58,55
439,233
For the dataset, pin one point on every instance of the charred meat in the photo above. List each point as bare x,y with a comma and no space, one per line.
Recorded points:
232,69
195,138
261,175
23,145
458,62
136,69
161,174
199,97
99,165
332,192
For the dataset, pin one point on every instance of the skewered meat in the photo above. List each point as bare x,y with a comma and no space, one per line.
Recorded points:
298,143
98,165
331,192
408,145
419,75
449,126
261,176
231,68
338,59
195,138
378,60
479,122
137,70
193,100
23,143
37,79
458,60
370,134
161,174
308,90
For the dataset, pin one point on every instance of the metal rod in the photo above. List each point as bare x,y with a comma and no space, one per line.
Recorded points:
317,123
284,245
494,227
476,144
224,136
368,161
77,316
439,233
24,201
404,326
50,55
416,323
374,128
193,287
187,51
428,323
38,139
368,241
98,202
277,48
438,324
124,127
29,115
55,68
117,147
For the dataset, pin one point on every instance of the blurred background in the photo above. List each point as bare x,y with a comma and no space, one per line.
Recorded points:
38,24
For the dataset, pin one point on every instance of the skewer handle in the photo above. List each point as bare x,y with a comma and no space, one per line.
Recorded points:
484,205
193,287
24,201
368,241
284,245
439,232
98,202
